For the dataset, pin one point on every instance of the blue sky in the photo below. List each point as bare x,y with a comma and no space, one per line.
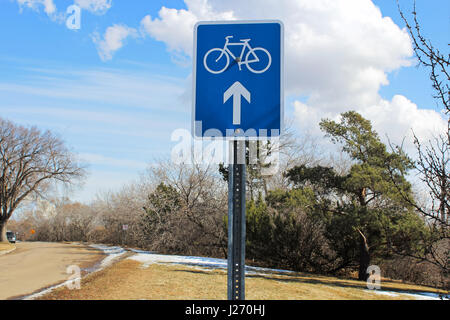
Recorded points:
117,88
435,19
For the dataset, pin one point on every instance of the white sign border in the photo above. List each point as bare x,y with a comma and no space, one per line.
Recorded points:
194,78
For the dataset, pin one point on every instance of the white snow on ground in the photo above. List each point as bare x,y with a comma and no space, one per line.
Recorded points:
417,296
113,253
48,290
147,258
426,296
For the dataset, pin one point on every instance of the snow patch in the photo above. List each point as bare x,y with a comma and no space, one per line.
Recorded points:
48,290
113,253
417,295
147,258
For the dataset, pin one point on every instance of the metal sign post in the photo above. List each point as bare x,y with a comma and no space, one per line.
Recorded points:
237,88
236,222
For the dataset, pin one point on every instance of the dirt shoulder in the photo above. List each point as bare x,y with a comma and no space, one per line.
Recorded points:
37,265
6,248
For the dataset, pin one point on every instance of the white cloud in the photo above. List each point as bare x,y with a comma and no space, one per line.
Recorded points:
399,117
338,54
144,90
101,182
175,27
94,6
325,41
49,6
113,40
99,159
395,120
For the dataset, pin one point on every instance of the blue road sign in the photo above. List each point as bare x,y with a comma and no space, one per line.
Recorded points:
238,79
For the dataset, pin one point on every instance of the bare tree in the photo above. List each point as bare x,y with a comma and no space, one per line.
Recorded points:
430,57
434,166
433,159
114,210
196,223
268,160
29,161
433,163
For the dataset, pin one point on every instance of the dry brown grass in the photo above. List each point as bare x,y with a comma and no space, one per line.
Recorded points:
128,280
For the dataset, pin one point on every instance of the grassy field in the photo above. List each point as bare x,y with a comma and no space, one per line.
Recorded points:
128,279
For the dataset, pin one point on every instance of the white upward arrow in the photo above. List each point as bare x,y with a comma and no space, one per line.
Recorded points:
236,90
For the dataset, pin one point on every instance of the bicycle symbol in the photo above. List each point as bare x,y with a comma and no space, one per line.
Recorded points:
251,57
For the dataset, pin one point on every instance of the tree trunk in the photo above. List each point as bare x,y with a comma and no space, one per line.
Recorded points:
3,237
364,253
364,258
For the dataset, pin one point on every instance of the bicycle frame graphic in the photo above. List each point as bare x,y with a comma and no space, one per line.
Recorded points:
250,57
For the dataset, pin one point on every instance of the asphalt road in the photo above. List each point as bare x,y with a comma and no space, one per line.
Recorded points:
38,265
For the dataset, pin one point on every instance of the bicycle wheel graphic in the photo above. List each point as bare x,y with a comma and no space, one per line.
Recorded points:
215,59
264,60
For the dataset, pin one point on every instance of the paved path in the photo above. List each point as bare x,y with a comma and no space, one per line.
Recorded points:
37,265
